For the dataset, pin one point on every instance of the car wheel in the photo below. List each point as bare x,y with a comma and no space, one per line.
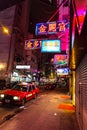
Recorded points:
23,102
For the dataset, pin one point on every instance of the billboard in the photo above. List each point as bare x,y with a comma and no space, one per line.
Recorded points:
51,46
62,71
51,27
22,66
32,44
60,59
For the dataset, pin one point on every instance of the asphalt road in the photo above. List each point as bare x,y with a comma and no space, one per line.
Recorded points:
7,110
44,113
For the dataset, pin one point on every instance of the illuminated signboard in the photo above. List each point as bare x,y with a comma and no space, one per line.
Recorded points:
62,71
41,28
50,46
22,66
61,26
32,44
51,27
60,59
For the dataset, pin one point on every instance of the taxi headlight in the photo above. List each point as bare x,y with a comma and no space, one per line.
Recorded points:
16,98
2,96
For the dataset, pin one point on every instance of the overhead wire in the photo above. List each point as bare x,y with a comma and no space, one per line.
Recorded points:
62,3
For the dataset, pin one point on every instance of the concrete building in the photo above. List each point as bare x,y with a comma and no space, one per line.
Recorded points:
12,50
78,60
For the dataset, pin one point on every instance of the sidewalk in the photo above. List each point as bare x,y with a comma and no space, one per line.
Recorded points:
68,116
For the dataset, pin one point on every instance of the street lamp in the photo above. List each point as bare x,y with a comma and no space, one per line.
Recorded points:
5,30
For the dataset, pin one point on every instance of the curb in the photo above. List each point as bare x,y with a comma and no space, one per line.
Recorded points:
10,115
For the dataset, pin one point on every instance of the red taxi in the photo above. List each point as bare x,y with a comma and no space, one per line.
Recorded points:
19,94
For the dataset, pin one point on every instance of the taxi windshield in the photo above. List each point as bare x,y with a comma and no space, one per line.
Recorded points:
22,88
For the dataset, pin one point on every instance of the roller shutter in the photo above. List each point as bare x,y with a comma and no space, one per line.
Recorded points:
81,94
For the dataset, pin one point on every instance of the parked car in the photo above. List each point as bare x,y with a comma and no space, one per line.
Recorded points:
47,86
50,86
19,94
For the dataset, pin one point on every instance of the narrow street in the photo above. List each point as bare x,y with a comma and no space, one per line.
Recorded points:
52,110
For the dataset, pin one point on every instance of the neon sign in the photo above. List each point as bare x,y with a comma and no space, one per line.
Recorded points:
60,59
32,44
51,27
50,46
62,71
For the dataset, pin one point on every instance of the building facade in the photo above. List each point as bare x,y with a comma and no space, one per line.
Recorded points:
12,50
78,62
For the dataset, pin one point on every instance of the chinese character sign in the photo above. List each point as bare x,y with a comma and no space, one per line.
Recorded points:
28,44
60,59
32,44
50,46
61,27
41,28
51,27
